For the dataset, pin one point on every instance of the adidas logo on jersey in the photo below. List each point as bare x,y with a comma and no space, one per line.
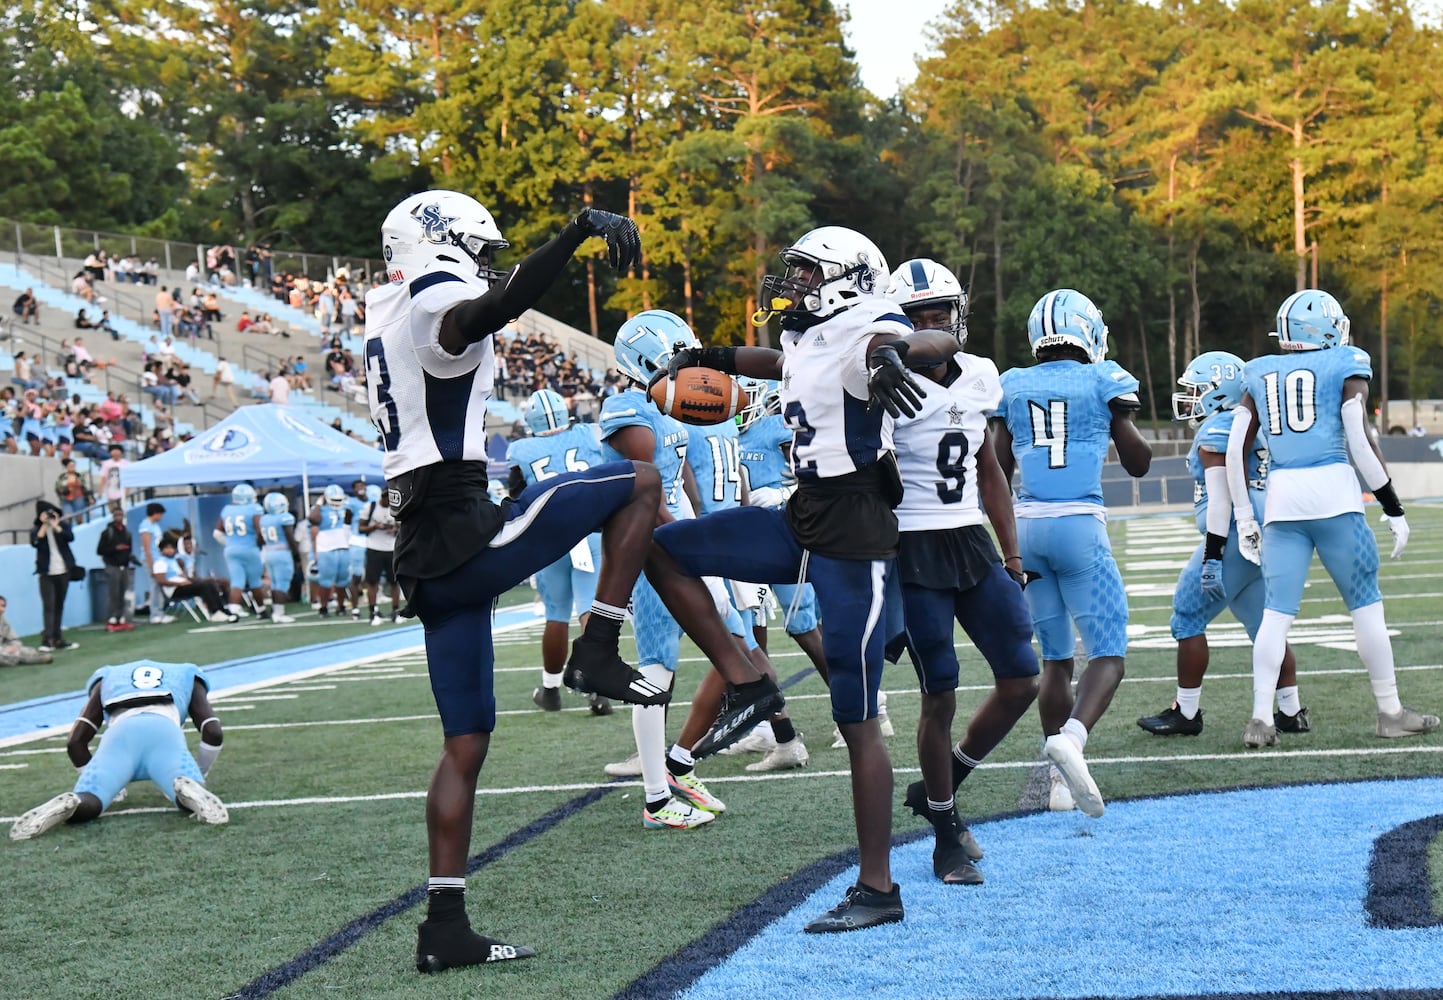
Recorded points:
819,341
979,386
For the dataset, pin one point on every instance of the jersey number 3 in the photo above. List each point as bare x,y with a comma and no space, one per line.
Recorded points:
383,407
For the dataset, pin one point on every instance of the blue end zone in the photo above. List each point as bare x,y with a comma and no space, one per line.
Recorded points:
1277,901
26,717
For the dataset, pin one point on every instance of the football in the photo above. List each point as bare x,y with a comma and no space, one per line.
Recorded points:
699,396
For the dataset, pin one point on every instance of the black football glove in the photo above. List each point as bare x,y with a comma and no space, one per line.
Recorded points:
687,357
1018,577
891,385
623,241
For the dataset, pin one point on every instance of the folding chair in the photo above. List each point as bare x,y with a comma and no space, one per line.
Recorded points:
187,604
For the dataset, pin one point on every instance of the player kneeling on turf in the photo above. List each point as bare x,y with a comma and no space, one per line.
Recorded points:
145,703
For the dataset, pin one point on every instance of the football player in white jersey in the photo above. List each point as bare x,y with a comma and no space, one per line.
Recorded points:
1309,401
843,371
948,567
430,363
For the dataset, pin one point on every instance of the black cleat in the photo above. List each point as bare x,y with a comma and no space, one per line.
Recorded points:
454,945
599,705
862,907
547,699
1171,722
950,859
742,708
1293,723
916,800
595,668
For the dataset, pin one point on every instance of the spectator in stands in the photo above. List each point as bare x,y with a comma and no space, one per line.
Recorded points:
224,376
84,358
106,325
165,306
126,268
110,489
178,374
167,348
89,438
117,550
73,491
152,271
210,307
25,372
153,382
299,377
55,565
280,390
244,323
348,310
27,307
94,266
82,286
12,651
82,321
192,272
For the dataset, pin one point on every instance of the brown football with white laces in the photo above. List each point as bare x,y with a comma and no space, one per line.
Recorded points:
699,396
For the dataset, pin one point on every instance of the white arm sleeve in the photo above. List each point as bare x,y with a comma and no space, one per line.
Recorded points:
1220,515
1359,447
1237,466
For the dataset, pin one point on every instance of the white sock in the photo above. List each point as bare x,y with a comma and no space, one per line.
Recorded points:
437,883
681,755
941,807
1077,732
1288,701
1188,701
550,681
1268,649
608,611
648,727
1375,649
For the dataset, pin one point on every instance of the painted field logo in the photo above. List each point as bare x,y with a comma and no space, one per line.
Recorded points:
1280,891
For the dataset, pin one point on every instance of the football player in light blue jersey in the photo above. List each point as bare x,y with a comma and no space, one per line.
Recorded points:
331,547
355,503
844,374
1309,402
1058,418
1216,576
278,551
146,703
567,586
633,428
238,529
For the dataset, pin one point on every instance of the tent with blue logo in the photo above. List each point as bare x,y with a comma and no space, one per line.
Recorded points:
266,444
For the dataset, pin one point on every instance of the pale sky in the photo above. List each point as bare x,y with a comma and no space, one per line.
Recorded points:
888,35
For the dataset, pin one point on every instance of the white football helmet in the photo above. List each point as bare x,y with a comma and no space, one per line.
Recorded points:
1311,320
925,284
828,270
440,231
1067,317
764,397
1211,382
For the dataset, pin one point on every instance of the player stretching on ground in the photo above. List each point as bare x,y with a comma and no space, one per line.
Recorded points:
842,354
1058,419
430,361
1217,576
948,567
567,586
146,703
1309,401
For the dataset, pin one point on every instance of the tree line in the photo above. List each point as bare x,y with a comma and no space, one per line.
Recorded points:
1186,164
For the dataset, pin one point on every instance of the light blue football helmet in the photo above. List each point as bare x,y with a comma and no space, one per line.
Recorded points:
764,397
645,343
335,496
1212,381
1311,320
1066,316
276,503
546,412
243,493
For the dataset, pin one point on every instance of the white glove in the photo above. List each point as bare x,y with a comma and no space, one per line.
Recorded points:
1250,536
1399,527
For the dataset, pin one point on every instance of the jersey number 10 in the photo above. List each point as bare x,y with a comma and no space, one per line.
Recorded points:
1296,403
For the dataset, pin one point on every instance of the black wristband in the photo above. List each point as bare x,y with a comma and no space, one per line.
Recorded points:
1213,548
1388,497
901,347
722,359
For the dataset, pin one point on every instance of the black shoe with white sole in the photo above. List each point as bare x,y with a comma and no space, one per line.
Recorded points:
595,668
742,709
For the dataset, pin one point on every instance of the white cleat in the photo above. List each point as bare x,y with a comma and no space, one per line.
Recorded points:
882,717
783,757
202,803
838,740
1064,752
759,740
677,814
45,816
1408,722
1059,797
281,619
629,768
1258,733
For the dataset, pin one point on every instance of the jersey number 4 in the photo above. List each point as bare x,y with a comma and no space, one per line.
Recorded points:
1295,402
1049,430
